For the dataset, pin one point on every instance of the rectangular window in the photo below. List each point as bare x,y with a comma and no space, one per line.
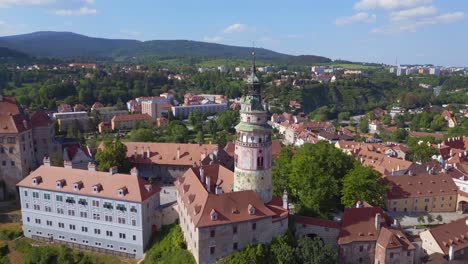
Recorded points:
121,220
61,225
95,203
12,163
108,218
72,227
361,248
97,231
254,226
212,250
109,233
234,229
59,198
134,237
35,194
121,207
49,223
27,219
38,221
48,209
70,200
212,233
59,210
47,196
122,235
133,222
96,216
71,212
84,229
84,214
37,207
25,193
234,246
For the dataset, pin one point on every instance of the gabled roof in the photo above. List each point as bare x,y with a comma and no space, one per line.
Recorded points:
454,233
136,190
393,238
230,206
12,117
166,153
358,224
422,185
40,119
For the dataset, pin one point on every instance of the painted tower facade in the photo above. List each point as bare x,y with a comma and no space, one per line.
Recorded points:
253,143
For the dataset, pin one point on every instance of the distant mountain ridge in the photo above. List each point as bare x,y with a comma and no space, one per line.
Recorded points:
68,45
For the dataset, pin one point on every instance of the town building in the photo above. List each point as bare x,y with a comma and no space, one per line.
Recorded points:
106,113
43,132
205,103
450,240
17,155
106,212
425,192
221,211
368,235
134,105
165,162
76,120
128,122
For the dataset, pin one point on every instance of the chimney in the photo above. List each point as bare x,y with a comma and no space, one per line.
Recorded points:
208,183
46,161
135,154
113,170
215,151
148,152
396,223
285,199
178,152
202,175
134,171
219,189
203,154
377,221
25,124
148,187
67,164
451,252
91,166
142,152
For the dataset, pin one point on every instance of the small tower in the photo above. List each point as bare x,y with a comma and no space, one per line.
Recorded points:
252,169
285,199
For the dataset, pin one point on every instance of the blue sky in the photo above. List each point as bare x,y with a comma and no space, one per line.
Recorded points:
415,31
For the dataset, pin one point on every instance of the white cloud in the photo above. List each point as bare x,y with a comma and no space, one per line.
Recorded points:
357,18
413,12
213,39
388,4
413,25
75,12
238,28
8,3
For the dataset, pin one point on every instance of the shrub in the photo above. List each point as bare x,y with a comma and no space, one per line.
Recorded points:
9,234
3,249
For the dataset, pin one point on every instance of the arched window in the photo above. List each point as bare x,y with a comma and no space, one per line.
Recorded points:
248,119
259,162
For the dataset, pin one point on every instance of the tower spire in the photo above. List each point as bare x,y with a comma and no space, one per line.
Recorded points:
254,70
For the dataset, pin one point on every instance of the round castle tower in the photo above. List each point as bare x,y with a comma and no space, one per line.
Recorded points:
252,169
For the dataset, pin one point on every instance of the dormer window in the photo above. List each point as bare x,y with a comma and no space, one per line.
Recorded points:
214,215
251,210
37,180
122,191
77,185
60,183
97,188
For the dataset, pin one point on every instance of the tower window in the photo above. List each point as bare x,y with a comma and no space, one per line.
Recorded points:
248,119
259,162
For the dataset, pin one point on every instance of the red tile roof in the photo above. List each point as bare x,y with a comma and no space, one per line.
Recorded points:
121,118
394,238
454,233
136,191
166,153
358,224
422,185
12,117
40,119
229,206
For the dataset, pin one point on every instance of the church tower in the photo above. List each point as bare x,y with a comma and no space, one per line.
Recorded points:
253,143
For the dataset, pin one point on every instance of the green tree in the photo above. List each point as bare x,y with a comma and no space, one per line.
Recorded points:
313,251
344,116
421,219
364,125
113,153
227,119
281,170
363,183
141,135
439,218
178,132
200,139
65,255
316,175
421,152
195,119
430,218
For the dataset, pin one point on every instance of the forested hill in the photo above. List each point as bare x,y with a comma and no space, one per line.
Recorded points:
66,45
6,54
